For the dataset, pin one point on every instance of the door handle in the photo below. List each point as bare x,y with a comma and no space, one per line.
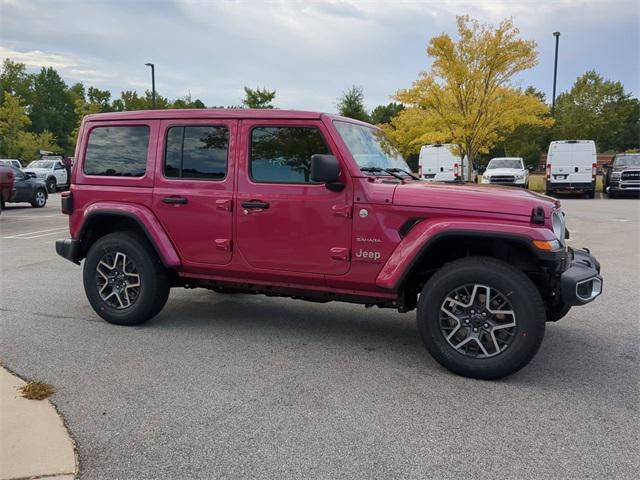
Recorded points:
256,204
174,200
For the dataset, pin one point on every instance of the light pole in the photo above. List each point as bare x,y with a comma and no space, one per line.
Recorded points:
555,74
153,83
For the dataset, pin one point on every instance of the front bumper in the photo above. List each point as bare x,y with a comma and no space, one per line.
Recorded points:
631,187
581,282
70,249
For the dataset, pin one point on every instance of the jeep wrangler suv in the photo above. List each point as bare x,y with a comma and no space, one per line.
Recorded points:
315,207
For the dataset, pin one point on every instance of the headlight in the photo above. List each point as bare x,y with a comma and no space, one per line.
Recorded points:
616,174
557,221
520,176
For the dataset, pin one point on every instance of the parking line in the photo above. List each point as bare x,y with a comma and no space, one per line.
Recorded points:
41,233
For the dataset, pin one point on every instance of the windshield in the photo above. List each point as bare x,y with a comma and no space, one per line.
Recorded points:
627,160
369,148
504,163
41,164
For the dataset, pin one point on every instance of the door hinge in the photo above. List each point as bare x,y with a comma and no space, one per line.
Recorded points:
223,244
340,253
223,204
341,210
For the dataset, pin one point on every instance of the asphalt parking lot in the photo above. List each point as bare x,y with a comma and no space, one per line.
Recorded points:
236,386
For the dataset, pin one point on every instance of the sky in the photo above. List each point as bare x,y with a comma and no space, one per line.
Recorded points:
310,52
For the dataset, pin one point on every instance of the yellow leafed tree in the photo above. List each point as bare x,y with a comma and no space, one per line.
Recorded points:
468,98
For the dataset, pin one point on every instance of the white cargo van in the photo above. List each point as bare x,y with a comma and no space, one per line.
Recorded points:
572,165
440,163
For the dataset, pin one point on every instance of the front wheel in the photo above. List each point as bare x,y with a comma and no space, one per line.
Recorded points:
52,185
124,280
481,318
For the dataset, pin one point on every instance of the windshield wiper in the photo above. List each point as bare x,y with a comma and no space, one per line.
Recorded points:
379,169
395,169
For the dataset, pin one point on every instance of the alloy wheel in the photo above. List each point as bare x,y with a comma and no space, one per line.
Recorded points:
40,198
117,280
478,321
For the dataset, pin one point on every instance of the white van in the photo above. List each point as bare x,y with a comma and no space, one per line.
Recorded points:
440,163
572,165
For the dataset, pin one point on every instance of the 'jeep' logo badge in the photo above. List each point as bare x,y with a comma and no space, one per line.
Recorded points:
366,255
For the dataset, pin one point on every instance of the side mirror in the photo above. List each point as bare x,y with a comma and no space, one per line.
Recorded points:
29,175
530,168
326,169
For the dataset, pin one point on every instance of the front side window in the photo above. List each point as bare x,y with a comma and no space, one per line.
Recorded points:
117,151
283,154
197,152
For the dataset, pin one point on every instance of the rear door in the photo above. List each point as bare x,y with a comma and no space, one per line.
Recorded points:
285,221
561,162
582,160
193,190
445,162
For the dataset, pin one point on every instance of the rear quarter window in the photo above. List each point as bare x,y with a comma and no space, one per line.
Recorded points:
117,151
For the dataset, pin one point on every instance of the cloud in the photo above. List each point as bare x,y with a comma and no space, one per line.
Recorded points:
309,51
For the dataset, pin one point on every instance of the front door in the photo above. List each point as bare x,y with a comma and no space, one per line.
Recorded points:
284,220
193,189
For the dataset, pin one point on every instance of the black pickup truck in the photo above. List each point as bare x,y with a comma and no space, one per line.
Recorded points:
622,175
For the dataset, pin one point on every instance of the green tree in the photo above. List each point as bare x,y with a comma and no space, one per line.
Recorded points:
600,110
258,98
101,98
187,102
15,80
351,104
384,113
30,144
467,97
53,107
13,121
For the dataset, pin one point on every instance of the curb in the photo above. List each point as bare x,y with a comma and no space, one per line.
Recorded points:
34,440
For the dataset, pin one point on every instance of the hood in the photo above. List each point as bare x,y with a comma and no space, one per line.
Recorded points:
480,198
36,170
504,171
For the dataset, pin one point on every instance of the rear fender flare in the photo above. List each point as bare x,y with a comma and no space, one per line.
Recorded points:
417,242
145,219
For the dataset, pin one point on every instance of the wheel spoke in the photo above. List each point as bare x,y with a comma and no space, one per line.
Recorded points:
478,320
117,280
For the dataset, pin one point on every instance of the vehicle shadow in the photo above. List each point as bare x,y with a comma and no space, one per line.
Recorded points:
565,360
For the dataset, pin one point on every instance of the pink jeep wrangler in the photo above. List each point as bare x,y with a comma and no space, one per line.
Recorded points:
315,207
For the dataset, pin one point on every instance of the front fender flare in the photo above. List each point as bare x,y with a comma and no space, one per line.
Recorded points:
145,219
424,234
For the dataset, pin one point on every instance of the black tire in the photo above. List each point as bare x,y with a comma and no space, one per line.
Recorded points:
52,185
39,198
556,313
530,316
549,193
611,194
591,193
154,287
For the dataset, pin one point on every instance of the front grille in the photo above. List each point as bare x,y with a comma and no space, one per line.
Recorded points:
630,175
503,179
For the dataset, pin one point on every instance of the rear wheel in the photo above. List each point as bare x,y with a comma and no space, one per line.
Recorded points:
124,279
52,185
591,193
39,199
481,318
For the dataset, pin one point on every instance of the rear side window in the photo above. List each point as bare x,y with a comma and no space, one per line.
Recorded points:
197,152
117,151
283,154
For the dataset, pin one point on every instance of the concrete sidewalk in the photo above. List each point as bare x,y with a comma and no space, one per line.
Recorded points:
34,442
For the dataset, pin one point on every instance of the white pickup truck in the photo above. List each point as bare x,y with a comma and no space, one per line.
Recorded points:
51,171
